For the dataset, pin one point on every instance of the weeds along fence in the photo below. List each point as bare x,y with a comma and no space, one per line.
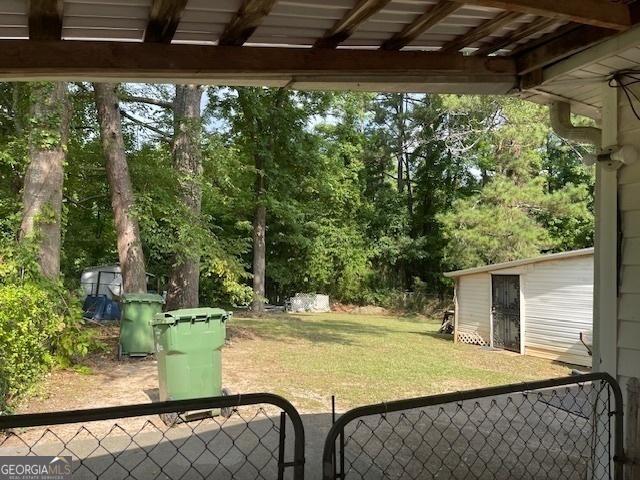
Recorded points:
259,436
568,428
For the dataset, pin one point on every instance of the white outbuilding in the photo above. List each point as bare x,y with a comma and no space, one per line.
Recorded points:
540,306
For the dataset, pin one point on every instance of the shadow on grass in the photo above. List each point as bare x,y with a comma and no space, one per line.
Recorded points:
446,337
297,328
415,318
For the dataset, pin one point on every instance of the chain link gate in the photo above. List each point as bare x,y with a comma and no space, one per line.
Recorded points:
566,428
249,442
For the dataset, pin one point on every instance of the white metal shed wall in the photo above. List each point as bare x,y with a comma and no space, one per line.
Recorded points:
556,305
473,301
558,298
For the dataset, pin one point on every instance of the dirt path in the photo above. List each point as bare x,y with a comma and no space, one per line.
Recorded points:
103,381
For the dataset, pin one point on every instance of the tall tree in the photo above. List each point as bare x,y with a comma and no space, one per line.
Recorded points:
43,181
259,236
130,251
184,277
253,105
265,124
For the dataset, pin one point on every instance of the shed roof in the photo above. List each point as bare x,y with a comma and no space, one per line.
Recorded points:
518,263
452,46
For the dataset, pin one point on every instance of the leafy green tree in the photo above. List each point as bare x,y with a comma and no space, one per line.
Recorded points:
533,197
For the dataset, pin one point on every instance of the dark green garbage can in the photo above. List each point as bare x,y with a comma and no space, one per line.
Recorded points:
136,331
188,344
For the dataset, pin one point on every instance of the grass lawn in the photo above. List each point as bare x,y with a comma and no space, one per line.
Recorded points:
362,359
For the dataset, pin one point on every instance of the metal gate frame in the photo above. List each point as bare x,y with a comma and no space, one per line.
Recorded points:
9,422
331,457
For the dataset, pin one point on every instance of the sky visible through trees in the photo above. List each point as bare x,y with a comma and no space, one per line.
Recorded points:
242,195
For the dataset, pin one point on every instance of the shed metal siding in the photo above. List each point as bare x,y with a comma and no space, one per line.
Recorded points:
629,205
473,303
559,305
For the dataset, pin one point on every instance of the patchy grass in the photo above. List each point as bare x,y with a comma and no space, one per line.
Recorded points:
363,359
306,358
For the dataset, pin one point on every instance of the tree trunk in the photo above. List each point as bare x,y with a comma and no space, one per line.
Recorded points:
259,239
43,181
129,245
184,277
409,188
400,145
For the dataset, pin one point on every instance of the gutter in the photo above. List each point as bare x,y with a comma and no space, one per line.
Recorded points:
560,116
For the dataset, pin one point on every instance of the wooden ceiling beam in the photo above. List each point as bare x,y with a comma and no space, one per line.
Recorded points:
434,15
515,36
345,27
245,22
121,61
45,19
480,32
547,53
164,18
598,13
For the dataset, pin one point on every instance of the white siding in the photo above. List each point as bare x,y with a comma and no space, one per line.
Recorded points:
559,305
629,292
473,308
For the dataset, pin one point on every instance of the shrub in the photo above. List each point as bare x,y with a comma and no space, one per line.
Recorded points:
39,326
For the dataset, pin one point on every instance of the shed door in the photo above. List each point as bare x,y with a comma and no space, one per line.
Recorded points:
505,310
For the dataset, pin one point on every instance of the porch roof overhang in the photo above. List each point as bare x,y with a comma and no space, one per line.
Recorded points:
441,46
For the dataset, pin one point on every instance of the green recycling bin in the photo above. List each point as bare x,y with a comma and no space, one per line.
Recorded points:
136,332
188,344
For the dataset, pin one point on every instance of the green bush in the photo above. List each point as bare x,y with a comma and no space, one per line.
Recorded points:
39,327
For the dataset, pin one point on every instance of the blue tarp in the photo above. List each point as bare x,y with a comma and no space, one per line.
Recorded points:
100,308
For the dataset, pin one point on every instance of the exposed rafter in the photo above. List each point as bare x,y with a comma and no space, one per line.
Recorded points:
480,32
45,19
345,27
515,36
562,47
164,18
245,22
546,38
421,24
599,13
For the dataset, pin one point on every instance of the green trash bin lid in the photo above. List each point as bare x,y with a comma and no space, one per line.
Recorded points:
142,298
190,314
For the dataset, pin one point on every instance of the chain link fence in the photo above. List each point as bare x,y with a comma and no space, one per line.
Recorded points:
569,428
254,436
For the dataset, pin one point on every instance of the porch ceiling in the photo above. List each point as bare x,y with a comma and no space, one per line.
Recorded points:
579,79
458,46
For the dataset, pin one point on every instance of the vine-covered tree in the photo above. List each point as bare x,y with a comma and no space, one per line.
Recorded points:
48,131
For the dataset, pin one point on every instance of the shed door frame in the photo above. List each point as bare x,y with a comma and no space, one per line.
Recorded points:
522,310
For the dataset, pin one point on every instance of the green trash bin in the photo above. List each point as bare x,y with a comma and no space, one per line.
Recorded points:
188,344
136,331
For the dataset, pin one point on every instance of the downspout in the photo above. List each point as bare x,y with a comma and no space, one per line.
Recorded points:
560,116
560,119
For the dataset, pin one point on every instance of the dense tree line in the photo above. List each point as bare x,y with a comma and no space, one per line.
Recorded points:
241,195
